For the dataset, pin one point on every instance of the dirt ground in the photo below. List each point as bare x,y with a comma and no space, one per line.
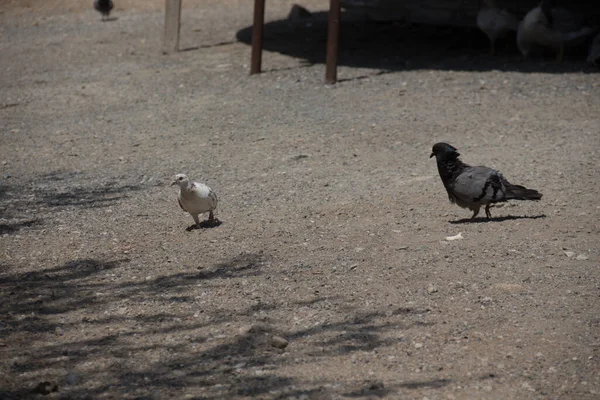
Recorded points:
334,217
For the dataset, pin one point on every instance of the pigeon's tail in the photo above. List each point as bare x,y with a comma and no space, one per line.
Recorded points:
517,192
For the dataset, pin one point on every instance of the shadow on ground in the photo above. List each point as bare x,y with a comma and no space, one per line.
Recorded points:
496,219
398,46
160,351
55,191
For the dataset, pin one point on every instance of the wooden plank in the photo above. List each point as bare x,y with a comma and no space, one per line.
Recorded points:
333,42
172,24
257,36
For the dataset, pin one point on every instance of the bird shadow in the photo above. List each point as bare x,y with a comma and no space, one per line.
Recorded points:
496,219
206,224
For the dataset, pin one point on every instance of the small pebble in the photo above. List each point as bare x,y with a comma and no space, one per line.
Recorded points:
431,289
178,373
279,342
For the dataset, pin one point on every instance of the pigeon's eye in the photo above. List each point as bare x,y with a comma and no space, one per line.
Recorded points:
181,178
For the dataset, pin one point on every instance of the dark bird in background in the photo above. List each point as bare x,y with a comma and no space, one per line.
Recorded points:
103,7
473,187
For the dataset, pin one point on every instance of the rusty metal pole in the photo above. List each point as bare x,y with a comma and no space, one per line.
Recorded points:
333,42
172,24
257,36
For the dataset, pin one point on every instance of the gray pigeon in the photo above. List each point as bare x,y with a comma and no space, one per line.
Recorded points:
473,187
103,7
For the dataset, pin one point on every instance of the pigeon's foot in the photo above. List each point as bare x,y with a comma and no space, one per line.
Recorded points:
492,51
475,212
560,55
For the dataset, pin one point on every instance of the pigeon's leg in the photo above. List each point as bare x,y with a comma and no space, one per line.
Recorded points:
492,47
488,214
475,212
211,216
196,220
561,54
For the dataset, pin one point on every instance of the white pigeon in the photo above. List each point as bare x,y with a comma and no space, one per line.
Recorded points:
495,22
546,26
196,198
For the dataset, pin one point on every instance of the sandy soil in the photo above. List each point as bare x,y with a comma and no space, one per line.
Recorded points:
334,217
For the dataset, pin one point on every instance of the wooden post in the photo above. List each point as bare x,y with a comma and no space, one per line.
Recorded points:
257,36
333,42
172,24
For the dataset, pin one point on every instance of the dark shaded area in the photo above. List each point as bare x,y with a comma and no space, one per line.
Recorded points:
66,288
32,305
55,191
434,383
91,195
88,197
379,390
51,291
16,226
208,46
496,219
401,46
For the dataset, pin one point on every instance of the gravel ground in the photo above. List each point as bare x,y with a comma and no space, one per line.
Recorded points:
334,218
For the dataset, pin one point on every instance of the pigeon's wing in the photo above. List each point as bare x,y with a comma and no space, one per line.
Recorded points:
479,185
213,198
198,199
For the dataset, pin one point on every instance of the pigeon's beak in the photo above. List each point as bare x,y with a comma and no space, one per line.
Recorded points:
173,183
432,154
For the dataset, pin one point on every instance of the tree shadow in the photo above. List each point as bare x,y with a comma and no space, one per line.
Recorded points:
73,326
434,383
86,197
28,298
14,227
93,194
239,366
377,389
400,46
496,219
56,191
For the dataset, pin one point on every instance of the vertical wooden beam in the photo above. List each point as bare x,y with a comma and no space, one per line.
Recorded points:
257,36
333,42
172,24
